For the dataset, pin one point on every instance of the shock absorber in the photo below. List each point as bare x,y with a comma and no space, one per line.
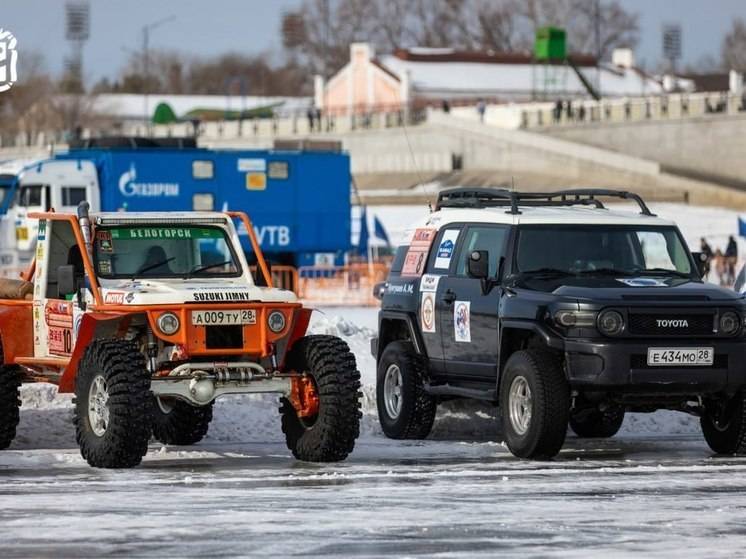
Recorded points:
152,350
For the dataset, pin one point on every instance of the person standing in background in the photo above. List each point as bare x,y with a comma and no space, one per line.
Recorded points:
731,258
707,253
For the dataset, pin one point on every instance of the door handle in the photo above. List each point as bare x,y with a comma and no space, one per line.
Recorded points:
449,296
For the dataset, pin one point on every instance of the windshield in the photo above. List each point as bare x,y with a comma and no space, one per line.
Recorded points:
164,251
589,249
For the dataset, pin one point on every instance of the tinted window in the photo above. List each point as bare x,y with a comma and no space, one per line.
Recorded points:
72,195
491,239
401,253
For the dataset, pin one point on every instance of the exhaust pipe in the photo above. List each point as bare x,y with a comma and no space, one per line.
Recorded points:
85,226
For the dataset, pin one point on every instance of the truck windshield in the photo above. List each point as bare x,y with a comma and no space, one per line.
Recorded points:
608,249
164,251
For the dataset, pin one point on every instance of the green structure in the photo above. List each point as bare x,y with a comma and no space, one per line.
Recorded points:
550,44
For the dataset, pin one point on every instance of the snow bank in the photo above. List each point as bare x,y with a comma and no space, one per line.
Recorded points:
46,417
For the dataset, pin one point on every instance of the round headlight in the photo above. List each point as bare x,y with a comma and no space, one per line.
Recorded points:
610,323
729,323
168,323
276,321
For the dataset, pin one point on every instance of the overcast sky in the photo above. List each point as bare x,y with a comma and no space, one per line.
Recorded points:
251,26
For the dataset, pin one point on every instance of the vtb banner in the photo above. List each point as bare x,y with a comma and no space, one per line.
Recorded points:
8,60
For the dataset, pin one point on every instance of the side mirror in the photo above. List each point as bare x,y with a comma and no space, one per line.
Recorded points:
479,264
701,260
378,290
66,281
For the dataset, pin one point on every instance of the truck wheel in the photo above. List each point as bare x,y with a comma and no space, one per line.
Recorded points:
594,423
329,434
534,404
177,422
724,425
405,410
10,382
112,405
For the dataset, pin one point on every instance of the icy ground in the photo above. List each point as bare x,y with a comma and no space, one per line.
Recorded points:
653,490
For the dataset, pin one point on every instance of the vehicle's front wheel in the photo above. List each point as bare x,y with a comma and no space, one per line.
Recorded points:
595,423
405,410
112,405
10,382
534,404
177,422
724,425
324,423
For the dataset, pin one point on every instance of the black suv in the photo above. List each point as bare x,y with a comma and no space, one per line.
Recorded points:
560,311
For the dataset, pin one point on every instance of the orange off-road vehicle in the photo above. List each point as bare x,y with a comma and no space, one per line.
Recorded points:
148,317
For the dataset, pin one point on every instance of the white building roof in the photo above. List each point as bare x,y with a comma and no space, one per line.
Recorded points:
454,78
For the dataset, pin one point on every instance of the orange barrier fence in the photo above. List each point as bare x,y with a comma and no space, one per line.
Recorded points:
340,285
284,277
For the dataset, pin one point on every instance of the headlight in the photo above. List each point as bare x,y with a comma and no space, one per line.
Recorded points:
168,323
729,323
610,323
575,319
276,321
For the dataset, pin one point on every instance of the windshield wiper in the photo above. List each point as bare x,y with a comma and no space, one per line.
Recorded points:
606,272
153,266
662,271
207,267
546,272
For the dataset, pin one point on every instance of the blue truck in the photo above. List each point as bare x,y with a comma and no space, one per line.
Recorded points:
297,194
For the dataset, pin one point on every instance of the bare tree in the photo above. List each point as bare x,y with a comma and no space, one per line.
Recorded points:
733,49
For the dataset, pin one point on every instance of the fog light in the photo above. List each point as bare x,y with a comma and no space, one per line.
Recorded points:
610,323
276,321
729,323
168,323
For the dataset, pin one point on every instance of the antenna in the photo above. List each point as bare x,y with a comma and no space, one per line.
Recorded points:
512,183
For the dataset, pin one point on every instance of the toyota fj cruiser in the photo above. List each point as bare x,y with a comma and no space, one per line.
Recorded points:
148,317
558,310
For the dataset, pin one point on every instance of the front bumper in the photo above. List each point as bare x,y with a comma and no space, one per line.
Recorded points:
622,365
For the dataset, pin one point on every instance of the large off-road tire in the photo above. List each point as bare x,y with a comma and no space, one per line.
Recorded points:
595,423
330,435
405,410
724,425
534,404
10,382
112,405
177,422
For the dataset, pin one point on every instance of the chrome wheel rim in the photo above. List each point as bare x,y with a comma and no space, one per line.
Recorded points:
98,406
392,383
520,404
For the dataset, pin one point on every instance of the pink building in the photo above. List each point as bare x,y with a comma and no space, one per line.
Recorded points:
421,76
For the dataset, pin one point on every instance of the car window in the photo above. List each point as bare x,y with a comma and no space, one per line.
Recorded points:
489,238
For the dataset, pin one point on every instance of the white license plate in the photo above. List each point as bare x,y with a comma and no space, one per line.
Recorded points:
662,356
223,318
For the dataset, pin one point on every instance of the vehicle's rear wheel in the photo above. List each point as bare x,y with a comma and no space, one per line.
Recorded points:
724,425
534,404
405,410
112,405
325,421
177,422
595,423
10,382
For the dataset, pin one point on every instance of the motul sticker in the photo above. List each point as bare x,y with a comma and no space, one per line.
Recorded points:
114,298
462,321
429,282
427,312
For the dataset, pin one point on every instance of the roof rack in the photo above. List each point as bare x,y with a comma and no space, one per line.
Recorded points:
496,197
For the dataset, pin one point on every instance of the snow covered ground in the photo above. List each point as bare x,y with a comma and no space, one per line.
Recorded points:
653,490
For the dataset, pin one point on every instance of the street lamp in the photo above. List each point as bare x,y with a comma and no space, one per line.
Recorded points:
146,29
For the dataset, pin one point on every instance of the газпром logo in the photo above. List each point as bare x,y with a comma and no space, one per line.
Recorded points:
8,60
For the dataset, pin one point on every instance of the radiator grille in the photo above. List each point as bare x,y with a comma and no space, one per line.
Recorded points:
664,324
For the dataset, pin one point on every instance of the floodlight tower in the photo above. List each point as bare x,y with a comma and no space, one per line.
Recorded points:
77,31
